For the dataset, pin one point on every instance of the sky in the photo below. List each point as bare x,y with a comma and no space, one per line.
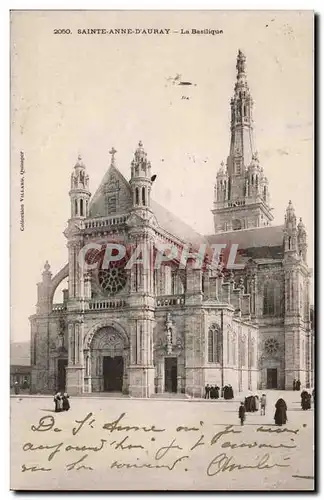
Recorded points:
82,94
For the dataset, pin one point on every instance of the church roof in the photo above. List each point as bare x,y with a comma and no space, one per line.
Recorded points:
172,224
260,243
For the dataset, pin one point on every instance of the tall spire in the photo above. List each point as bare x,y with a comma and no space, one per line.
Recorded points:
240,64
242,144
242,197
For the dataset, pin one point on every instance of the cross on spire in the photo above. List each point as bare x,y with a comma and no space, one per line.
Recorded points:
112,152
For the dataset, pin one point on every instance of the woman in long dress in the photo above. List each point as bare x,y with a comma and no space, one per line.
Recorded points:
305,400
280,416
58,400
66,404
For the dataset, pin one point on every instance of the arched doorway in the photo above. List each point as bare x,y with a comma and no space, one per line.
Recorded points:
107,361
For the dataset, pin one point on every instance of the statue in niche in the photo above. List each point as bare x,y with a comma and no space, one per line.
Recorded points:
169,340
60,340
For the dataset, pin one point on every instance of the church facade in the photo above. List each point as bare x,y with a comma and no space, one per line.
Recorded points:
146,329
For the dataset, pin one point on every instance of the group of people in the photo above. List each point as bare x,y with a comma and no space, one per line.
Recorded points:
296,385
212,392
17,387
253,402
61,400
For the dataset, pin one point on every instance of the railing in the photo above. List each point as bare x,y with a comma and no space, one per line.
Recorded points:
107,304
59,307
107,221
170,300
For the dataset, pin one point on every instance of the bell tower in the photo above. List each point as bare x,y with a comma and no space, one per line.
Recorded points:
140,181
242,197
79,192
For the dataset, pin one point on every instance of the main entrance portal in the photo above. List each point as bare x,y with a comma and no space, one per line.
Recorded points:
113,370
272,376
107,361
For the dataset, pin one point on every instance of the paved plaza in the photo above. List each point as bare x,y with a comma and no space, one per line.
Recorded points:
107,443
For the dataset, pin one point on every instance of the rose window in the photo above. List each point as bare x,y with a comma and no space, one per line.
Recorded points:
271,346
112,280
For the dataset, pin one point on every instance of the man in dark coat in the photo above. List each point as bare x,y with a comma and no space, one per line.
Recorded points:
298,384
207,392
294,384
280,416
230,391
242,413
216,392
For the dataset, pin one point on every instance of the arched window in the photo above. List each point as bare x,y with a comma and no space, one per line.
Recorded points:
265,193
81,208
136,196
86,208
214,344
252,360
243,350
272,298
143,196
289,242
234,349
75,207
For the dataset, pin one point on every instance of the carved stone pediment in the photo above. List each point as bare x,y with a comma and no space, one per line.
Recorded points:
140,218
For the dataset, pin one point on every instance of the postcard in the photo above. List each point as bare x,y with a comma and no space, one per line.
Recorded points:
162,285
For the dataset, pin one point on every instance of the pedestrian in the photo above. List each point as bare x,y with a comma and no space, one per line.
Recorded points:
294,384
216,392
207,391
58,400
65,402
256,399
298,384
242,413
16,387
230,392
305,400
263,404
280,416
252,403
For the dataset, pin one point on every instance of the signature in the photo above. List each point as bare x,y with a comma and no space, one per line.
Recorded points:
223,463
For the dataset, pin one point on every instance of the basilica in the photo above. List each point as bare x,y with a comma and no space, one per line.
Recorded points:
145,330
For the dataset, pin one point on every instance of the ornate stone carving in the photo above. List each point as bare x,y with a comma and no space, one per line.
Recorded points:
271,346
